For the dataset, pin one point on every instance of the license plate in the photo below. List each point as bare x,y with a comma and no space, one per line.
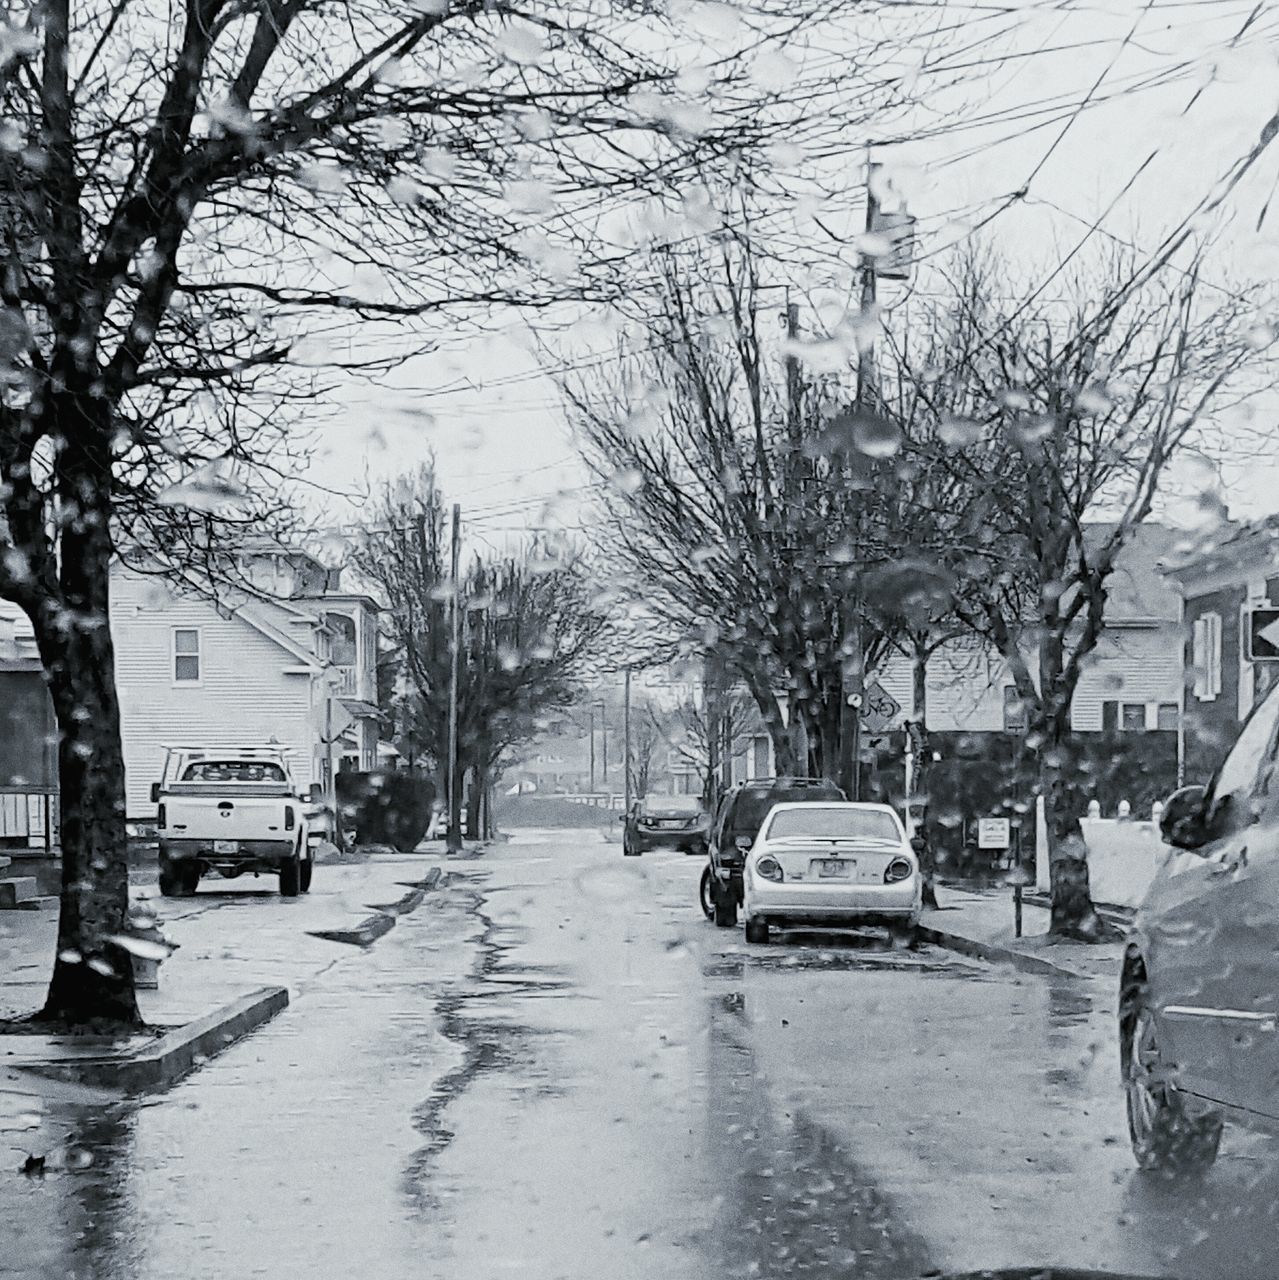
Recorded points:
226,846
833,868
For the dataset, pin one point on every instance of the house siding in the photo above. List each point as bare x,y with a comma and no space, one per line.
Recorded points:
244,695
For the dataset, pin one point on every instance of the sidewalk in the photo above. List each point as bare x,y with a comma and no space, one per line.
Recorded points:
240,947
982,924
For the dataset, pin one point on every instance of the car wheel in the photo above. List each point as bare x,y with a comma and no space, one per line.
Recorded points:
304,874
1165,1139
179,881
757,931
705,895
725,908
904,937
290,876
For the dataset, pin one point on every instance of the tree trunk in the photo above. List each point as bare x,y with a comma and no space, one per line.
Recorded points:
785,757
1073,914
474,796
92,983
453,832
919,783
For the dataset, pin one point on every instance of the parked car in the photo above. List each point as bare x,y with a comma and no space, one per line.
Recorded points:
1199,990
234,811
833,865
738,818
665,821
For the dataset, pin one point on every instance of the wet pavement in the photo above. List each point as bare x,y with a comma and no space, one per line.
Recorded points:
554,1067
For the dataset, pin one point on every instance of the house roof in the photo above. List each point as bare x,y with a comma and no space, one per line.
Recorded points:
255,614
1137,590
1228,555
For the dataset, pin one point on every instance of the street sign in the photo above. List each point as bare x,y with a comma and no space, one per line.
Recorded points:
879,708
994,833
1262,634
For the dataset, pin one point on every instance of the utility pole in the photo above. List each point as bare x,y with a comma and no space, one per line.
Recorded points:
603,746
453,843
854,660
591,713
626,737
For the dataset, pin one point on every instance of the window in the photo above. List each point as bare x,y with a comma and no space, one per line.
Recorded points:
234,771
1169,716
1133,717
1206,656
834,824
186,655
1014,710
1239,776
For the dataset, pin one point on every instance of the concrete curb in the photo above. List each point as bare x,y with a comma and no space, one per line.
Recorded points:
371,928
166,1060
998,954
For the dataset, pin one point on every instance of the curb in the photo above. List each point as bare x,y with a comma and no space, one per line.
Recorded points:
176,1053
371,928
1000,955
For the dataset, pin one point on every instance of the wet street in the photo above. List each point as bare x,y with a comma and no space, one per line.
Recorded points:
555,1067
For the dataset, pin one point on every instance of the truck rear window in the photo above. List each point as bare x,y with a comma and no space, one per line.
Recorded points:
233,771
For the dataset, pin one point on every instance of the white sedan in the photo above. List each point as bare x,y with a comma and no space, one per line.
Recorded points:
831,864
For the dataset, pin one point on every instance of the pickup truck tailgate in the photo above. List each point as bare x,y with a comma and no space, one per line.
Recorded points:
227,817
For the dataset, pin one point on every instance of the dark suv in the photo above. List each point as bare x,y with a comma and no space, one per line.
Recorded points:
736,823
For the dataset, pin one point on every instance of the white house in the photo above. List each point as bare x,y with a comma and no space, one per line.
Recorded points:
1132,682
298,666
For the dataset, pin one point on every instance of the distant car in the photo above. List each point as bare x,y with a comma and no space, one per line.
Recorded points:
738,818
832,865
654,822
1199,990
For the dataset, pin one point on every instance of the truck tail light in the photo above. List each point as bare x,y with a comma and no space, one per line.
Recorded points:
160,816
288,817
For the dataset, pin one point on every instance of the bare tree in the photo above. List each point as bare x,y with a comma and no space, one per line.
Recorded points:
528,627
740,497
201,204
1054,427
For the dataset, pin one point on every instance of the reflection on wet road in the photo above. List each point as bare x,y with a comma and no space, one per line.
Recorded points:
557,1068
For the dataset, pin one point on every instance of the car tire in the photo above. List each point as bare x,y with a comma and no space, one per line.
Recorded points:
290,876
904,937
705,893
725,908
757,931
304,874
180,880
1165,1138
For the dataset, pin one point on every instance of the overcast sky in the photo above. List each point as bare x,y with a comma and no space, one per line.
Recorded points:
1136,161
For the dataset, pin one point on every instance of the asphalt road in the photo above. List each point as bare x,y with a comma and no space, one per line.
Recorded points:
556,1068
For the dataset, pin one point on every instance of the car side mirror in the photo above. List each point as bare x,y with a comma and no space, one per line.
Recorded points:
1182,823
316,793
155,793
743,843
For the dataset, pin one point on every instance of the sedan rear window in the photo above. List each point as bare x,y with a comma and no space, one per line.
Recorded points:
849,824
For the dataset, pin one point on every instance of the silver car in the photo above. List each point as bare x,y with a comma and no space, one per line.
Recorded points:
1199,993
831,864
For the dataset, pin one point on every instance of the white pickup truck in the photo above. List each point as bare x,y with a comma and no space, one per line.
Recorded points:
234,811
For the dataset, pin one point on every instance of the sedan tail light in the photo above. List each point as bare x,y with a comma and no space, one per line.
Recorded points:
898,869
769,868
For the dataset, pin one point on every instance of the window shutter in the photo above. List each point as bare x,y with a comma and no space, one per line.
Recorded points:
1199,657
